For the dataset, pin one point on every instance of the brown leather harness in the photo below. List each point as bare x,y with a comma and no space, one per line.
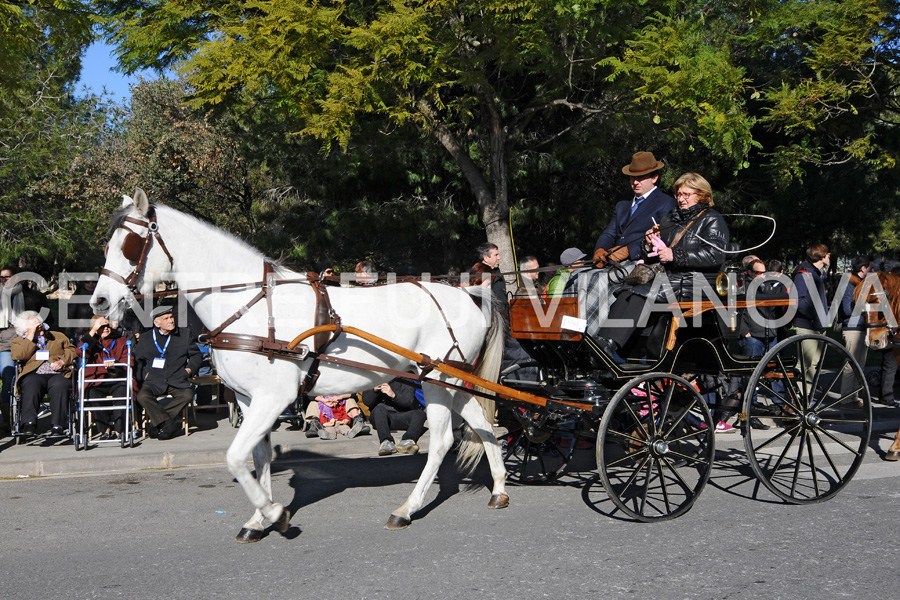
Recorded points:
136,247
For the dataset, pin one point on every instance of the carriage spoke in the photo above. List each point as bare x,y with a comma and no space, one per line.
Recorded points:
635,474
772,439
627,457
637,420
783,454
812,463
827,454
839,441
797,462
646,487
628,437
664,406
681,416
815,382
662,482
675,472
693,459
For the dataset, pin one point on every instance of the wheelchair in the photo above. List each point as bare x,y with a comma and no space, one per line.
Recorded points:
16,426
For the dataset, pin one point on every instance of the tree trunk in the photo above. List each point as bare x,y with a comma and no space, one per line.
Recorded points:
494,206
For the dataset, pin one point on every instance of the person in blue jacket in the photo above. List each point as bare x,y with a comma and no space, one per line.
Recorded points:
622,238
812,305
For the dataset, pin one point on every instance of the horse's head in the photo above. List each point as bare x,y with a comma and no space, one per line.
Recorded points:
882,300
133,261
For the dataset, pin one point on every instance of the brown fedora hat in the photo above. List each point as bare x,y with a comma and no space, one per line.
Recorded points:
642,163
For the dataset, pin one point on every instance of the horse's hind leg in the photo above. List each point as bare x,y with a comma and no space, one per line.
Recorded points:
253,436
440,440
474,415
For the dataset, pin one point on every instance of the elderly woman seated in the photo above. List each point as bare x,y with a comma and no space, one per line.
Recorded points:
45,367
106,352
689,243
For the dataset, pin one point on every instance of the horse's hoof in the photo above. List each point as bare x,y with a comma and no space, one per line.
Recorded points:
892,455
396,522
283,522
247,536
499,501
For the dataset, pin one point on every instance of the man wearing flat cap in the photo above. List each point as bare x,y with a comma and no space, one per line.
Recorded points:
621,240
164,359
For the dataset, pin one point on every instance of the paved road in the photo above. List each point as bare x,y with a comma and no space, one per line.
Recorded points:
168,534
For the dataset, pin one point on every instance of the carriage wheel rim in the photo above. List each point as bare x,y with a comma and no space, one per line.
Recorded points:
668,446
804,459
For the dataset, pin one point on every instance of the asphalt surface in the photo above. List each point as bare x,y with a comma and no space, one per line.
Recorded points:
209,438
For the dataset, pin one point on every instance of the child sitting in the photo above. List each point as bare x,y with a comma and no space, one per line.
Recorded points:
329,415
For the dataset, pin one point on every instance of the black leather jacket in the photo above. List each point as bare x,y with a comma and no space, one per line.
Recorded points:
693,257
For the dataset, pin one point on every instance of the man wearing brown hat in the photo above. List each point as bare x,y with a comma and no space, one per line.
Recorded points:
622,238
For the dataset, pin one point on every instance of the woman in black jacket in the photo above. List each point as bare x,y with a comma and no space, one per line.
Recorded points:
694,236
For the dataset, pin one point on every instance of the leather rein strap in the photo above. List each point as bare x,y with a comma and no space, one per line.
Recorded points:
140,261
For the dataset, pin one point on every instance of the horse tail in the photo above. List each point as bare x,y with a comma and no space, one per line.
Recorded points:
487,367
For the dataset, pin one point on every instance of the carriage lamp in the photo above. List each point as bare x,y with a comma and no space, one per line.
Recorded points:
730,282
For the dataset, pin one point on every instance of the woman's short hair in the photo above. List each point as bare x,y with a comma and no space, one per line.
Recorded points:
696,182
23,318
817,252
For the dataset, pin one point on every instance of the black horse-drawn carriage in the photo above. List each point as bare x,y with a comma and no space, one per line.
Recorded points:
650,415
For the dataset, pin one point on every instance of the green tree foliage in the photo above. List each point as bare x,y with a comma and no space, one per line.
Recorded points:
782,103
43,129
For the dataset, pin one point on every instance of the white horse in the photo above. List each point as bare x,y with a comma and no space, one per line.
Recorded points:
197,255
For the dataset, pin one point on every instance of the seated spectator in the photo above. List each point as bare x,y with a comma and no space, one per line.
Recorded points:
531,286
571,261
327,416
757,335
11,304
366,273
45,359
164,359
395,405
104,346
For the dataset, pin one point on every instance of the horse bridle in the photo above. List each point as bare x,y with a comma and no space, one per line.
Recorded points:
136,247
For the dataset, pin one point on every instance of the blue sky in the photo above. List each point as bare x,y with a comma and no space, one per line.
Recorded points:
96,72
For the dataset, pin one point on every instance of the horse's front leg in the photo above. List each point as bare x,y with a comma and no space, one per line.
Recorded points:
474,415
893,453
253,436
440,440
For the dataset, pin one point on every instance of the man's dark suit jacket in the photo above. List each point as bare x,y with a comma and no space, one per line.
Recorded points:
626,229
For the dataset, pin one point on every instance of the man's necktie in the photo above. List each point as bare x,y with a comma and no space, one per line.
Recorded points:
635,203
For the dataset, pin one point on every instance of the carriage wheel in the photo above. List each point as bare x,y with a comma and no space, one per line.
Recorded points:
536,453
235,417
819,442
656,447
